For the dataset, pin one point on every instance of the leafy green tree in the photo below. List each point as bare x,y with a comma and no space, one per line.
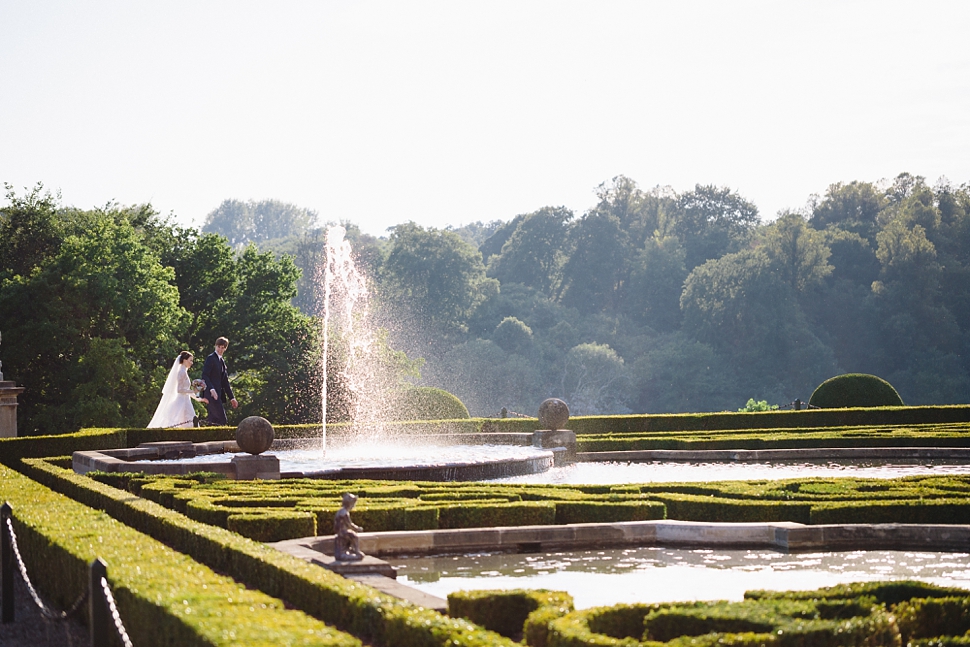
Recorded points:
595,380
487,378
29,231
257,222
476,233
88,327
851,207
640,213
492,246
435,274
593,277
534,253
513,336
656,281
711,222
677,373
797,252
742,308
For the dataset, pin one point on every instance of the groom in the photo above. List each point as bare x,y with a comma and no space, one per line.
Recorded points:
216,377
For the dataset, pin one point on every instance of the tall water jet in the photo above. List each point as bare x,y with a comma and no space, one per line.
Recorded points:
346,310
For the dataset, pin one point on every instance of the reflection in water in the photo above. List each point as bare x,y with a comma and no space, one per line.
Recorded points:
658,574
670,472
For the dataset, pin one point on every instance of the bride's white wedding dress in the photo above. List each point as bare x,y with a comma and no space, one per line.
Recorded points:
175,408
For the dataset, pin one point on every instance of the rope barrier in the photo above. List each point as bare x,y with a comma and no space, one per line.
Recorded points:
115,616
98,576
46,612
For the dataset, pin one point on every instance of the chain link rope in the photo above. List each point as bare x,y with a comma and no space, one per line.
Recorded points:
47,613
115,616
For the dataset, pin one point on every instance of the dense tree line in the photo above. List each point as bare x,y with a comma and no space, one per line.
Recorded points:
94,306
659,301
652,301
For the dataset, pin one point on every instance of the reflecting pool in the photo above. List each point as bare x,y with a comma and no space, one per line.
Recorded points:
613,473
659,574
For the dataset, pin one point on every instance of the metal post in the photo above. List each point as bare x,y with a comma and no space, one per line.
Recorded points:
100,624
6,562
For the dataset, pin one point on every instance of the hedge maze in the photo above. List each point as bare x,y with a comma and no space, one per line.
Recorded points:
273,511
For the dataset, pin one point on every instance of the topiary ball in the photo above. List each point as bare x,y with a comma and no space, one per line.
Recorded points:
254,435
855,390
429,403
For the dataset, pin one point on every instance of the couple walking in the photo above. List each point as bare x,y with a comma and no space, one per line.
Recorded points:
175,408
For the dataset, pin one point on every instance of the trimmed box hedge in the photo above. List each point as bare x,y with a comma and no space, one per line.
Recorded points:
514,613
384,506
784,623
376,618
164,597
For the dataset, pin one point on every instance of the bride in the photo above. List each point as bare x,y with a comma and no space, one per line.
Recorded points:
175,408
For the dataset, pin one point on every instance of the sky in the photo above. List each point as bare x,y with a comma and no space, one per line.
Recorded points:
446,113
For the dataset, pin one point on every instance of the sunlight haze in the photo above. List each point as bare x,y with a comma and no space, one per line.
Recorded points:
446,113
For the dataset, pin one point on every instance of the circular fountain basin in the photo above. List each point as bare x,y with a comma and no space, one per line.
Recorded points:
399,461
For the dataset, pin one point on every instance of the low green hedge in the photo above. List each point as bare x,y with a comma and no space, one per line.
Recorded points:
750,623
527,513
932,435
275,526
163,597
12,450
608,511
771,419
384,506
514,613
376,618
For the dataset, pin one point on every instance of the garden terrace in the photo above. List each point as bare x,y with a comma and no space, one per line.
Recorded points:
166,516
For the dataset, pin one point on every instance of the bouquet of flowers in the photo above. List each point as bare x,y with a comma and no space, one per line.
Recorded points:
198,385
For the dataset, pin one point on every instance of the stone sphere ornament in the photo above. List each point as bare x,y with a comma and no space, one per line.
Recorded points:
254,435
553,414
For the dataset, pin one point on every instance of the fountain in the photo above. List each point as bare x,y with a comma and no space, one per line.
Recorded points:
366,397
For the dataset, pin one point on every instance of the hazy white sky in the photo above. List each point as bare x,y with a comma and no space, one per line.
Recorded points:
449,112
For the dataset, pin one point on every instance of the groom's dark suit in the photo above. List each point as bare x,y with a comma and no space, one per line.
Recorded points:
216,377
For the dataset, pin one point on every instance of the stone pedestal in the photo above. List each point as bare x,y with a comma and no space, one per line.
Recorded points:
553,438
8,408
256,467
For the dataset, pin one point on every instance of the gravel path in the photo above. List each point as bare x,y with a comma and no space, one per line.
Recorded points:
31,629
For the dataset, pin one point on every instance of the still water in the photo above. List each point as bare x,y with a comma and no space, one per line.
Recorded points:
658,574
612,473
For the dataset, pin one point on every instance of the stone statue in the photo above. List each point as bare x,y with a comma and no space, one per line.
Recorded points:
346,544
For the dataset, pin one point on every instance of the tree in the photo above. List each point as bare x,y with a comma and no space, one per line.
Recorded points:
88,328
676,373
594,275
595,380
851,207
533,255
256,222
738,305
29,231
711,222
798,253
488,379
435,274
513,336
657,279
